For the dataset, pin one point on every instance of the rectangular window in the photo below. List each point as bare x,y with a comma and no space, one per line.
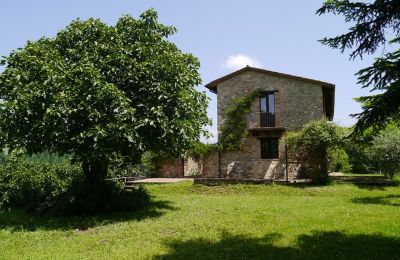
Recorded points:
267,110
269,148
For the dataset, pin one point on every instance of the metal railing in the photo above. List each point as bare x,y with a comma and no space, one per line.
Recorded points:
267,119
127,179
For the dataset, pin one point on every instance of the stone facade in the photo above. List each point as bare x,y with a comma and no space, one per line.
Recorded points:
170,168
297,102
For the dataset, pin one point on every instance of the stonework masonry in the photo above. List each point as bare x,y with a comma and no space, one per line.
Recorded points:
297,102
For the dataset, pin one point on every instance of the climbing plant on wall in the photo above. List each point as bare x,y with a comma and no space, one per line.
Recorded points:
235,127
234,130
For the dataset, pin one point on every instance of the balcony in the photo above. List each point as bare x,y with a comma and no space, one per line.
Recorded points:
267,119
264,123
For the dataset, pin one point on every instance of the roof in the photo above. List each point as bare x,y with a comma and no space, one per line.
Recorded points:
212,86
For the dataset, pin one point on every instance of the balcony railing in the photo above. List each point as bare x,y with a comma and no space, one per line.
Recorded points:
267,119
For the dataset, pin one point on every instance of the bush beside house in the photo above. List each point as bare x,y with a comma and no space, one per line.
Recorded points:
59,188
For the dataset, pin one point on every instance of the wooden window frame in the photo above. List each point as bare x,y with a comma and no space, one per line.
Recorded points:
272,152
269,120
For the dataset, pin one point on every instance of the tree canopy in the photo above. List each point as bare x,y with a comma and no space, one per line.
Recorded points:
376,24
311,145
99,92
385,151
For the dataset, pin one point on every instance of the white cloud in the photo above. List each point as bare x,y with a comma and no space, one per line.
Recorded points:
238,61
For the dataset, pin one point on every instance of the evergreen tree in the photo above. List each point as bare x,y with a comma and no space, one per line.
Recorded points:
373,23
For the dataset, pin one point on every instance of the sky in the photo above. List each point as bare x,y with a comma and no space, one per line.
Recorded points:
225,35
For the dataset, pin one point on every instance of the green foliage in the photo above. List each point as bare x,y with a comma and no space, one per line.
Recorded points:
59,188
357,148
149,162
145,168
311,145
235,126
372,23
102,92
358,157
202,149
29,184
314,137
47,157
233,131
385,151
339,160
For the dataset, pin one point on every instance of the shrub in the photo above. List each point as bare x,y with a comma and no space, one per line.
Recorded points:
311,145
29,184
385,151
60,189
339,160
201,149
358,157
47,157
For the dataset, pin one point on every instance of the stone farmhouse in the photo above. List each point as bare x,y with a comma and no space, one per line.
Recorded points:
287,103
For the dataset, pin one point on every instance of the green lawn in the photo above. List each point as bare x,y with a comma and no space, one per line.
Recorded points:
224,222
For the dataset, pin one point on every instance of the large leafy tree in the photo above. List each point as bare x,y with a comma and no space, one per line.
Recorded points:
100,92
376,24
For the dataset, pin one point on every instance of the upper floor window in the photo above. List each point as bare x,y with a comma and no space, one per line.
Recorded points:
267,109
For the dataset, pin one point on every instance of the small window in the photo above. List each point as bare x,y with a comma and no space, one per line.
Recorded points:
269,148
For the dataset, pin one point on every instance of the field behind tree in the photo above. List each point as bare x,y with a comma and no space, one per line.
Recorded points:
186,221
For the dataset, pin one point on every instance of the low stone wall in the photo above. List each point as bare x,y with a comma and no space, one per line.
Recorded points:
230,165
223,181
211,166
191,166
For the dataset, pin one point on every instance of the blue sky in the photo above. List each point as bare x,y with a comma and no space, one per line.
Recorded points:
275,35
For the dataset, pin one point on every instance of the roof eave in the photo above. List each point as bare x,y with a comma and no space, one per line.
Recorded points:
212,86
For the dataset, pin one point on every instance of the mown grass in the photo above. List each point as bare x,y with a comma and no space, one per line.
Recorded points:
222,222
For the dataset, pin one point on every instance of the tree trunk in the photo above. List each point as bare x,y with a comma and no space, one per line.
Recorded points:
324,166
95,171
319,166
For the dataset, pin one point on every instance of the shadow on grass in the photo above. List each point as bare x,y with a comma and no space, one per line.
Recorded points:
18,220
382,186
301,185
389,200
318,245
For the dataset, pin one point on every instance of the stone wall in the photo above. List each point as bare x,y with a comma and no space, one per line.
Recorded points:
203,166
296,102
211,166
229,165
192,166
170,168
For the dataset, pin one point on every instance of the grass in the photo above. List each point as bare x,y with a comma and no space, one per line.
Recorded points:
364,174
222,222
